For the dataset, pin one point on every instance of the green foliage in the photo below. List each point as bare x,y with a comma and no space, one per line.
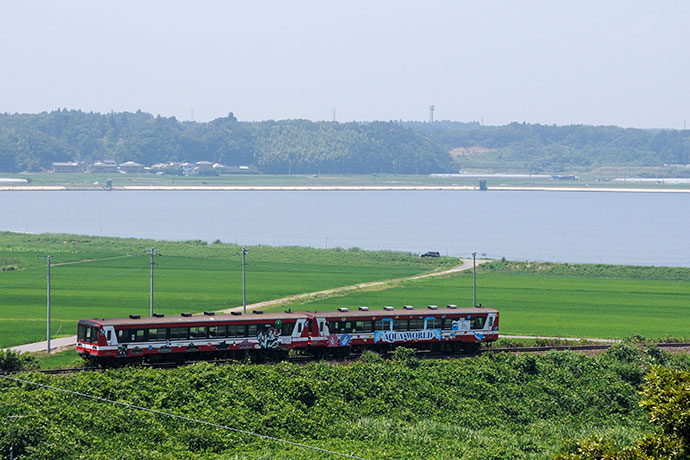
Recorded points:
587,270
32,142
12,361
9,264
495,406
406,356
371,357
666,396
542,148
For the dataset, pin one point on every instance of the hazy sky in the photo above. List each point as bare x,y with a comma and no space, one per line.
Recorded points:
622,63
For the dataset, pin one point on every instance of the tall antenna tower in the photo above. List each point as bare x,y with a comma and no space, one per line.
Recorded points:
431,113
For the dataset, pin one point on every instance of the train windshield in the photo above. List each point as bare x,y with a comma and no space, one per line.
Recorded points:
87,333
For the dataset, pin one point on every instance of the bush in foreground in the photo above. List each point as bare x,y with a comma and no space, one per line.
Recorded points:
12,361
495,406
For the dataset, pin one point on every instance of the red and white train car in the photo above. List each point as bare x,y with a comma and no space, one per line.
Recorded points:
274,334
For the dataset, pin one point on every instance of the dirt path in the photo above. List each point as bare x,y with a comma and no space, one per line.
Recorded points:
83,261
372,285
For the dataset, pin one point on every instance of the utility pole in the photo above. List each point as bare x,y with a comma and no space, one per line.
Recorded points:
47,259
152,253
474,279
244,280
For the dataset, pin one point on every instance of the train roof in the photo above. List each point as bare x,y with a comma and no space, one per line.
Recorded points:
253,317
401,311
196,318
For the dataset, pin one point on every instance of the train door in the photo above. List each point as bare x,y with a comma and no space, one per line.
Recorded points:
323,327
490,319
300,328
110,336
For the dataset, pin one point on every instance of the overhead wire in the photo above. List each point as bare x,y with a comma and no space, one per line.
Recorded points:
181,417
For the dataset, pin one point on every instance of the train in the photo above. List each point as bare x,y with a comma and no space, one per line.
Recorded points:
260,336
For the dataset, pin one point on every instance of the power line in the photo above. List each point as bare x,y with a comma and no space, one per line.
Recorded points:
181,417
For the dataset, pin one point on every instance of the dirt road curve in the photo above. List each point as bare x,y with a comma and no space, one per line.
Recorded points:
373,285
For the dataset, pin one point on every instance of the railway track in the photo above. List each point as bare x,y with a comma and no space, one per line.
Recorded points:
355,357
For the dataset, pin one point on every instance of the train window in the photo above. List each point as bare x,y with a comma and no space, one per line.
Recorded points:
400,324
252,330
108,335
198,332
87,333
299,328
383,325
157,335
491,321
216,332
433,323
178,333
122,336
478,322
416,324
237,330
288,328
140,335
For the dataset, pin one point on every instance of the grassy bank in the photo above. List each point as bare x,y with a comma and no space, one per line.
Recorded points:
109,277
493,407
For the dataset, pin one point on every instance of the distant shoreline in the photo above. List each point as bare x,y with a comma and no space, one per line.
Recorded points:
346,188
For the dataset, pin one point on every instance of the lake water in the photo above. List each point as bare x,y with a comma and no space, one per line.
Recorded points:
625,228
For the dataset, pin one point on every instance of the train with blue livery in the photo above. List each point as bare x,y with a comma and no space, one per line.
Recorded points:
262,335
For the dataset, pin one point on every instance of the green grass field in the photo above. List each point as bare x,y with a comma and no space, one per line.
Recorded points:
596,301
190,276
562,306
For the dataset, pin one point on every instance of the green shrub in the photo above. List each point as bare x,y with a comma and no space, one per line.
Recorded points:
12,361
406,356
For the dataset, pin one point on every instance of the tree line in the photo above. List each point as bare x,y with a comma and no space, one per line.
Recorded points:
544,148
32,142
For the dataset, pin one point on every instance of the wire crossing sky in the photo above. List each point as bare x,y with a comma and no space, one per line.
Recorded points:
620,62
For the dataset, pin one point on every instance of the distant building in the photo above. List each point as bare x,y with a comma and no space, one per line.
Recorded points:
105,166
188,169
66,167
132,167
205,168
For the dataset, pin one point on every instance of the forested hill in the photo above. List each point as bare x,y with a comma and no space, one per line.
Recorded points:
30,142
536,148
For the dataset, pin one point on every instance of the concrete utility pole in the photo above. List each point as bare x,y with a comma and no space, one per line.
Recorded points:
244,280
474,279
152,252
48,259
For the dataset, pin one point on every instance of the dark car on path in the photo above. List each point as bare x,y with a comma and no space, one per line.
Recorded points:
431,254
